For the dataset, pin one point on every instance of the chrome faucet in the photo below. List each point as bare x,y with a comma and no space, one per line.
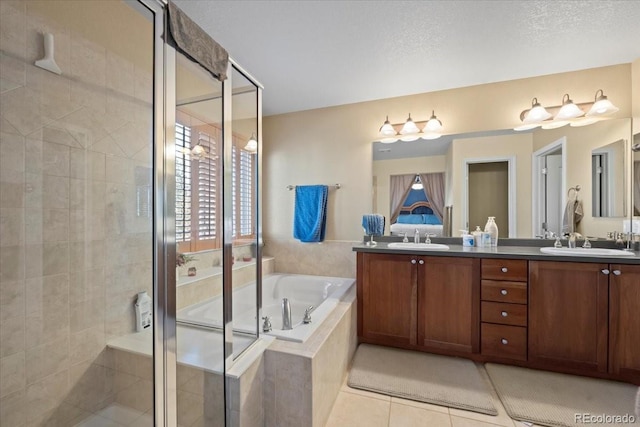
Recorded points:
428,236
266,326
416,236
286,314
404,239
572,240
307,315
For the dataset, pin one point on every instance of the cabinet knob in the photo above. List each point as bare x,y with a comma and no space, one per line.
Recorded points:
504,269
617,272
605,271
504,341
413,261
504,314
504,292
421,262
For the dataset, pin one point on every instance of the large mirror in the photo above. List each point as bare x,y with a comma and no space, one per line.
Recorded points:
635,179
536,183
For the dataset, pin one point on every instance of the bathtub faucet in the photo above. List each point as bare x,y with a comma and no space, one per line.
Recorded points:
307,315
286,314
266,326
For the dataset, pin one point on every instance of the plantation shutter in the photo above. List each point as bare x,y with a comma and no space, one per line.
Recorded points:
208,185
183,183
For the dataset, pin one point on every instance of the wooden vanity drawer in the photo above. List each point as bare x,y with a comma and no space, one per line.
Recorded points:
504,269
499,291
504,313
503,341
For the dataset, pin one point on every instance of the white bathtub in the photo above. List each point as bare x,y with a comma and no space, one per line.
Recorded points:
321,292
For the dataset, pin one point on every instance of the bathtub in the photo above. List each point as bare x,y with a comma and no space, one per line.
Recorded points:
321,292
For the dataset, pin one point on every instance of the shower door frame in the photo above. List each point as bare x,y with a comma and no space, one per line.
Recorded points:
165,304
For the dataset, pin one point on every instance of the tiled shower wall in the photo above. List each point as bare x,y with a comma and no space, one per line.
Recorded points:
75,223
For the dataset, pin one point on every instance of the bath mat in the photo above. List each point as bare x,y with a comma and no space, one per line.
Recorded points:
430,378
552,399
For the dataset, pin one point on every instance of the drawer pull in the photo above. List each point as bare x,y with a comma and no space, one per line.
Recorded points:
605,271
504,314
504,292
504,269
617,272
413,261
504,341
421,262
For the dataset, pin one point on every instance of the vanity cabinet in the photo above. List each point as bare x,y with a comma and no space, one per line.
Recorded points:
504,309
448,298
624,321
568,315
387,303
419,302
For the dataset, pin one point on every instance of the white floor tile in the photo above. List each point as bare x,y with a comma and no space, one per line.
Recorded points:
98,421
120,414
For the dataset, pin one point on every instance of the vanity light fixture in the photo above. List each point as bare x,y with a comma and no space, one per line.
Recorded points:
569,113
601,106
569,110
252,144
410,131
433,128
537,113
417,184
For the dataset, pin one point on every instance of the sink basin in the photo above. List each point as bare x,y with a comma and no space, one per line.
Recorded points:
427,246
586,252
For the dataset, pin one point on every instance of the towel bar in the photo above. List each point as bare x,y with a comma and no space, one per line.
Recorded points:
336,186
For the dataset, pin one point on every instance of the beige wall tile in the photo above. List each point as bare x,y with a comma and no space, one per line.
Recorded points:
87,344
331,258
12,263
57,225
12,337
12,192
13,408
12,155
12,227
12,300
138,396
46,395
12,374
87,165
55,192
47,359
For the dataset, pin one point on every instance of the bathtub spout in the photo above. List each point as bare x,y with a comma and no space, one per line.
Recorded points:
286,314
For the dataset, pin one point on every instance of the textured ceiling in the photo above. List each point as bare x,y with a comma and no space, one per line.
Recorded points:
311,54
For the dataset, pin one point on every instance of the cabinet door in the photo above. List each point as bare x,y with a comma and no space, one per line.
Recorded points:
449,304
388,299
624,321
568,314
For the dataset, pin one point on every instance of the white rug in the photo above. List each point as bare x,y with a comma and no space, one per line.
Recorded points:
553,399
441,380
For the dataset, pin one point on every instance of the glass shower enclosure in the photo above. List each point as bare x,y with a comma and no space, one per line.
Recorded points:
130,267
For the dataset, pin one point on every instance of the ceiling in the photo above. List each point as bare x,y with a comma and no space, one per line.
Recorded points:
312,54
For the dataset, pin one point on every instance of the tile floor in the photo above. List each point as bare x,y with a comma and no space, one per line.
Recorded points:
355,408
118,416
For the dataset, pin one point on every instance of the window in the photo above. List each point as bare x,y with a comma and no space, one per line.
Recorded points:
199,189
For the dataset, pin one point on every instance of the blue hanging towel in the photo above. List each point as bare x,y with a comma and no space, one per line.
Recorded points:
373,224
310,216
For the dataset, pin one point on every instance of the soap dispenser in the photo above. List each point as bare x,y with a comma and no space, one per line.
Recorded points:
477,237
492,229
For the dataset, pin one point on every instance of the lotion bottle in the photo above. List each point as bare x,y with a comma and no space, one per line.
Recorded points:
143,311
492,229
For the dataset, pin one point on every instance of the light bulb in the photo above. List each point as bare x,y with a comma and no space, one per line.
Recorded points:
602,106
569,110
537,113
387,129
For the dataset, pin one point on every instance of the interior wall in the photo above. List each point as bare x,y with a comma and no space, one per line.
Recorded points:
487,148
581,141
382,171
330,145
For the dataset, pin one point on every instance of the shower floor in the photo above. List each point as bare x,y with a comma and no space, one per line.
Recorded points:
116,415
